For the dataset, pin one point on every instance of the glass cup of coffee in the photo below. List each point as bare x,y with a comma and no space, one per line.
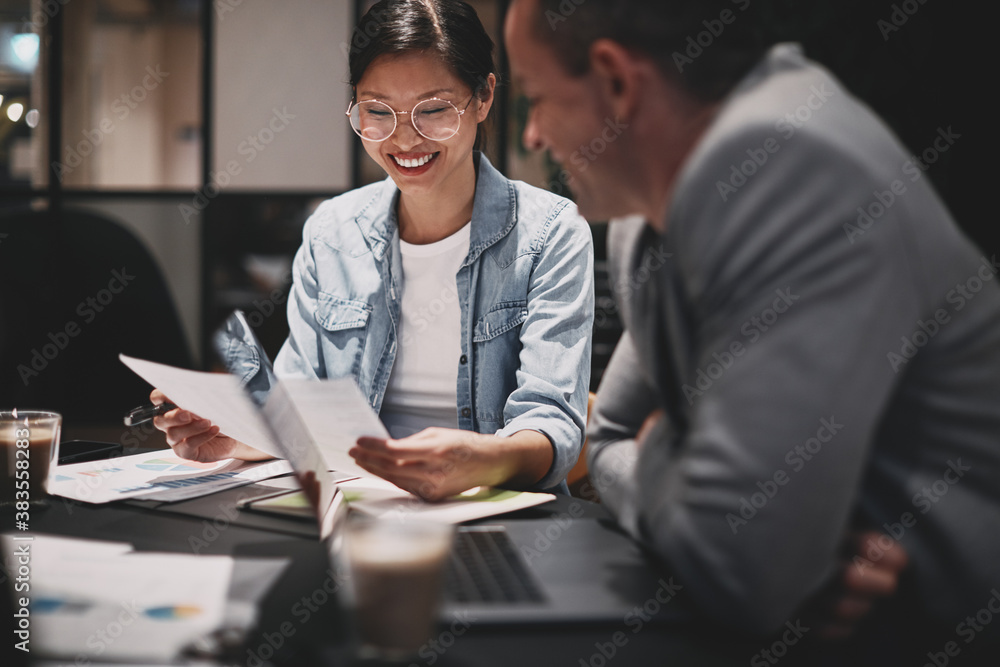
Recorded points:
29,448
397,572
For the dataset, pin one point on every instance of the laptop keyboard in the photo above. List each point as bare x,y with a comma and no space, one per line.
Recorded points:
486,567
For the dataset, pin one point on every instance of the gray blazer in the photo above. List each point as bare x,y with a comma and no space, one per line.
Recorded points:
825,344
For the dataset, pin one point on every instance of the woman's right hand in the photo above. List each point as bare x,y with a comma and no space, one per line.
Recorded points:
197,439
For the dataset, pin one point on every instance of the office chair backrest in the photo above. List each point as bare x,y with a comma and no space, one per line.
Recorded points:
78,289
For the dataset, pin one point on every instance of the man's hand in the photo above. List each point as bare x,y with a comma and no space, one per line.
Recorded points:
647,426
861,582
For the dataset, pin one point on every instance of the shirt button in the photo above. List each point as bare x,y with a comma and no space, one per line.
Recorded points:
466,412
463,360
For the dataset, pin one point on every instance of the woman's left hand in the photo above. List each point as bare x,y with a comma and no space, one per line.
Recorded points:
439,462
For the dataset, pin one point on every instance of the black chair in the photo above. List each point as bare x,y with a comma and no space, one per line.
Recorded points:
77,289
607,324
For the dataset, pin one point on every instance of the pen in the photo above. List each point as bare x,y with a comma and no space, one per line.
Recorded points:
144,413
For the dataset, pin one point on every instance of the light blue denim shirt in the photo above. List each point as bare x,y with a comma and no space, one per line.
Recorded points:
525,292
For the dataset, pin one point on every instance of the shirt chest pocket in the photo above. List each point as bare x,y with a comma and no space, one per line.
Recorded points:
502,319
496,339
504,286
344,325
334,313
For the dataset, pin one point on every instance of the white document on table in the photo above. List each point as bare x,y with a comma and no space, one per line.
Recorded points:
90,601
333,411
384,500
158,475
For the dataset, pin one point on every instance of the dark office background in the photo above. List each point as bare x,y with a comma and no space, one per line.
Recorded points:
935,71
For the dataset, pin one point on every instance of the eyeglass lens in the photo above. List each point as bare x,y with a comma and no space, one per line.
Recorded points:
436,120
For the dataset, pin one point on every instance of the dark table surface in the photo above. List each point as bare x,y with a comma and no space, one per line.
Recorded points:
286,635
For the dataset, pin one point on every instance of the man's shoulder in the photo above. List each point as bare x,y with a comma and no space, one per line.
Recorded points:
792,110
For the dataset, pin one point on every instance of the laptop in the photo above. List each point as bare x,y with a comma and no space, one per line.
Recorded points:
566,568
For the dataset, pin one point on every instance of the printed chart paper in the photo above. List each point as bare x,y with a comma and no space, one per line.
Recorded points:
155,476
101,601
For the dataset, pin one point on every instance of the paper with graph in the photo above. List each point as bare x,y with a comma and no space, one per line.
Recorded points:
155,476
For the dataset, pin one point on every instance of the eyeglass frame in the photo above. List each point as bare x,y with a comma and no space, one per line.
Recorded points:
395,114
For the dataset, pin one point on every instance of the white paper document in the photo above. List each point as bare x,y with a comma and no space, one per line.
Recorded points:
92,601
334,411
214,396
385,500
336,415
155,476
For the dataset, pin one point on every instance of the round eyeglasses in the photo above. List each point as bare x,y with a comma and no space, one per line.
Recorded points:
434,119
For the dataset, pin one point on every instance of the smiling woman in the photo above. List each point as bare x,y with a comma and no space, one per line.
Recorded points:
460,302
420,123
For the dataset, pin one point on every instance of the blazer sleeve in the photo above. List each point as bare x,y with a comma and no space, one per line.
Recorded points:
749,504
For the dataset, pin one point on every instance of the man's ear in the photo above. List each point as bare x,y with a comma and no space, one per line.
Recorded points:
486,97
617,75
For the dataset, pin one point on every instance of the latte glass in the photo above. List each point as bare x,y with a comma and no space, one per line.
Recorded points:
29,449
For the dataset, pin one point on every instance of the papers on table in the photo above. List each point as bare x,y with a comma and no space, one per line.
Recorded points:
387,501
334,411
101,601
377,497
155,476
330,414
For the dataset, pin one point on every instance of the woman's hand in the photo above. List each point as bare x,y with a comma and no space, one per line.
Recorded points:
439,462
197,439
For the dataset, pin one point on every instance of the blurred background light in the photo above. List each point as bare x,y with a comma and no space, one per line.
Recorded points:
14,111
25,47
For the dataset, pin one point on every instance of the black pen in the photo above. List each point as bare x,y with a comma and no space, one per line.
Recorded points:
146,412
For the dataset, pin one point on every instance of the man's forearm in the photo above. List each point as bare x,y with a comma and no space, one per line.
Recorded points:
612,473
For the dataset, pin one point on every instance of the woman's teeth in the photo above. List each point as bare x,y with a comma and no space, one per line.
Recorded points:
419,162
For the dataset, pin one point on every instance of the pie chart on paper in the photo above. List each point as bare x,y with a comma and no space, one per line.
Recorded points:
171,464
173,613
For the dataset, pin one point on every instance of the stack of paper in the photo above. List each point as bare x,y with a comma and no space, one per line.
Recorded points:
100,601
382,499
155,476
387,501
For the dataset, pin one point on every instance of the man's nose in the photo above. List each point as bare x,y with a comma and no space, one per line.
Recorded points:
531,138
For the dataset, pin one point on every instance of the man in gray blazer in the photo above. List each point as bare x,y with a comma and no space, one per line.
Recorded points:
810,343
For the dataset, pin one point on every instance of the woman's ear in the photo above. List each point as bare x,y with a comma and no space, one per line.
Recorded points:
486,97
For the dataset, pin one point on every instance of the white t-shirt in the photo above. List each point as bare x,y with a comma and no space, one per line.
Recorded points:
422,389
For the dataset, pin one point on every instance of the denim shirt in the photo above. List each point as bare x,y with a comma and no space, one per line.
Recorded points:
525,293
